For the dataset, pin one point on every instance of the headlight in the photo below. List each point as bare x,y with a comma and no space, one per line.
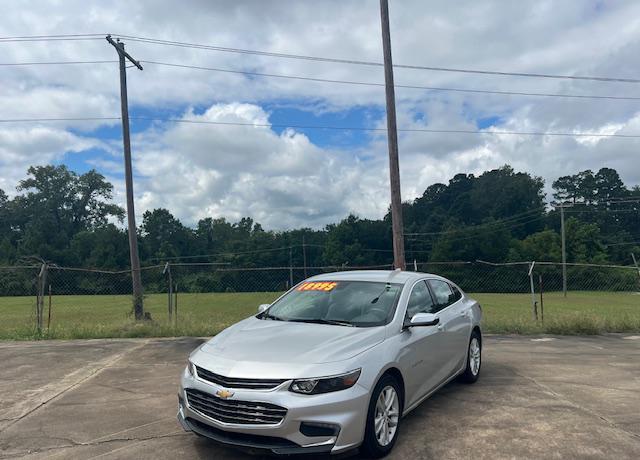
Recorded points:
325,384
191,369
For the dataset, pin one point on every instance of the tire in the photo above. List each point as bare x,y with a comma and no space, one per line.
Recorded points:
474,359
375,445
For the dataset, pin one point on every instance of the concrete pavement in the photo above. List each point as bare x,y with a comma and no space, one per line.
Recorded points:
538,397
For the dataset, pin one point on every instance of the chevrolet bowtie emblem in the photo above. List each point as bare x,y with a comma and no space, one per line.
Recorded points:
224,394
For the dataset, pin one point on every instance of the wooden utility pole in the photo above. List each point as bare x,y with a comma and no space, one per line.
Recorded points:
392,138
635,262
290,267
304,257
131,216
564,247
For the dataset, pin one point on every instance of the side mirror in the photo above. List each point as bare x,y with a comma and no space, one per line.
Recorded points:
422,319
263,307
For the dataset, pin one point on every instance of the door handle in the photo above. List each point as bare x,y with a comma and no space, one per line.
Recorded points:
440,327
464,313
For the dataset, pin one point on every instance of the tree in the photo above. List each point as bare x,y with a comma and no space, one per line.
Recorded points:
356,241
499,215
57,205
566,189
542,246
90,210
104,247
164,236
7,248
609,185
584,243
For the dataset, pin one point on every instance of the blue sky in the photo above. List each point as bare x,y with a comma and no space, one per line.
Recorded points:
309,177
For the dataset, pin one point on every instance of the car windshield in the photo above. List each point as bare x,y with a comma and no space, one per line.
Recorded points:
343,303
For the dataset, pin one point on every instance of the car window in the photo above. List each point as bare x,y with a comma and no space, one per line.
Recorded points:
420,300
457,295
442,293
358,303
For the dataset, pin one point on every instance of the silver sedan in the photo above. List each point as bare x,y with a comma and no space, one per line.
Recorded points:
333,364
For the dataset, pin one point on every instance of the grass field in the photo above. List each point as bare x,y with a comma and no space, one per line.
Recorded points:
207,314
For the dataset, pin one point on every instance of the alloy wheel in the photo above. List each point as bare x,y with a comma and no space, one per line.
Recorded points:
387,415
474,356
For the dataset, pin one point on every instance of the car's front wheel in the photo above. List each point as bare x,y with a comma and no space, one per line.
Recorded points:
383,418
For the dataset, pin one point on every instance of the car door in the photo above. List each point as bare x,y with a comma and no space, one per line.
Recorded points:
421,356
455,324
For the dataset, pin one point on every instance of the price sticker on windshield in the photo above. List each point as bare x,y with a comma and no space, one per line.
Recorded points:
318,286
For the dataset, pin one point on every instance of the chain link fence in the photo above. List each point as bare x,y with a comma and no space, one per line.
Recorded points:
80,302
515,277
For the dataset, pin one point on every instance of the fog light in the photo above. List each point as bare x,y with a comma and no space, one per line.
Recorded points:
314,429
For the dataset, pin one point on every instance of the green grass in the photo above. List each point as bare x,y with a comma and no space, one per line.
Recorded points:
75,317
581,312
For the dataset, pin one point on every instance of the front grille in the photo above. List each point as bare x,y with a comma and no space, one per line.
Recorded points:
243,439
233,411
242,384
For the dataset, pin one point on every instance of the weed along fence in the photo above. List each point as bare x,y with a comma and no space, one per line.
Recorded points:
581,290
45,300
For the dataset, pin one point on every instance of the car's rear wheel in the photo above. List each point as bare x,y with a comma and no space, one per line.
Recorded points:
383,418
474,358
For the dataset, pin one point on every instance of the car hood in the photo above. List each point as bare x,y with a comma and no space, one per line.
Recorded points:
260,342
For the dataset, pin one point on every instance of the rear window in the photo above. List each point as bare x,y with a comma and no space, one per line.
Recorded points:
441,292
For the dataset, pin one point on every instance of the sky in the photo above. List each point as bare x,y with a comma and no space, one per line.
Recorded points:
286,176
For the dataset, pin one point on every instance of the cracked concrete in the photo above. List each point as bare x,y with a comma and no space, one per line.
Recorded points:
569,397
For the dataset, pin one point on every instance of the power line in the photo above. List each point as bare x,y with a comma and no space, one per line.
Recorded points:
39,37
311,58
69,39
375,84
498,222
51,119
614,201
602,210
24,64
52,38
327,80
628,243
486,231
497,225
321,127
370,63
225,253
609,200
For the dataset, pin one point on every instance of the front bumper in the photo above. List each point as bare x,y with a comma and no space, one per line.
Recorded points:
345,409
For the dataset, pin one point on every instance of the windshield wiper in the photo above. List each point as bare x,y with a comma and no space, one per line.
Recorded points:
386,289
270,316
323,321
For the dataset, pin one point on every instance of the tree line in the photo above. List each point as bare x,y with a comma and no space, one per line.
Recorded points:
500,215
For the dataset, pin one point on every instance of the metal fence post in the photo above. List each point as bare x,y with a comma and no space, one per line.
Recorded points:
541,300
534,306
635,262
176,305
49,319
42,283
167,271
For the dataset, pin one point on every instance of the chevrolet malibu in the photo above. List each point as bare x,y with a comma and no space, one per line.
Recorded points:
333,364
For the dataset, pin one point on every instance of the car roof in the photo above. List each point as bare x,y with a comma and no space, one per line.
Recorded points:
383,276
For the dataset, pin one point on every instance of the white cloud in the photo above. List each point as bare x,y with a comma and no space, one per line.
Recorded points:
198,170
21,147
284,179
